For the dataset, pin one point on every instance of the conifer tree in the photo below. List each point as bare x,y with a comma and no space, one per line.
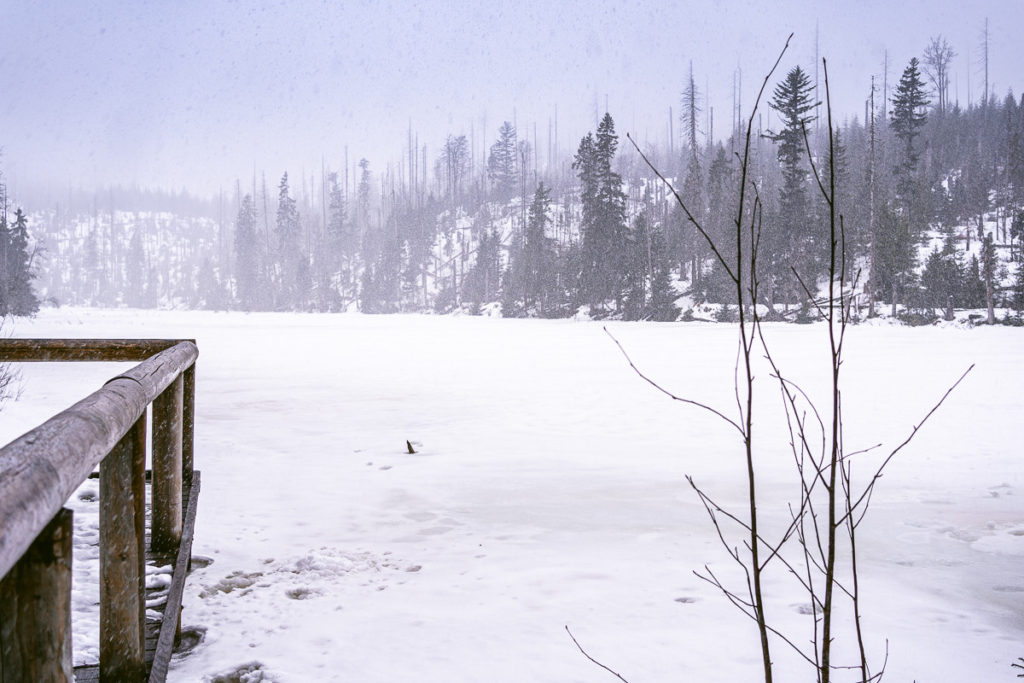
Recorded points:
16,296
908,118
603,226
339,245
136,277
502,165
247,257
20,299
289,249
483,281
796,244
1017,292
530,281
693,182
988,272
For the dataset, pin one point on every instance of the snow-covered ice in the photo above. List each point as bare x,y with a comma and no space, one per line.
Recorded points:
548,490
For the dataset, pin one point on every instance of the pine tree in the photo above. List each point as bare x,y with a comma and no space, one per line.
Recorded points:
796,244
973,287
136,270
483,282
20,299
908,118
693,245
649,293
501,163
289,248
716,285
661,305
339,247
1017,292
247,258
530,285
893,273
989,264
208,289
604,219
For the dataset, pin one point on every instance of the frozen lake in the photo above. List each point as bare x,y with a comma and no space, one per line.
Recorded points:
549,490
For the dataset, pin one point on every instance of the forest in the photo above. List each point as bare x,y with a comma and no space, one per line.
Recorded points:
931,194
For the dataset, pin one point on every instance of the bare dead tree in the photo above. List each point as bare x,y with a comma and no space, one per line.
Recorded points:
828,510
937,58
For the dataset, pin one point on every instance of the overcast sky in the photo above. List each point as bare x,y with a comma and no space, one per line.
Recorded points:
197,93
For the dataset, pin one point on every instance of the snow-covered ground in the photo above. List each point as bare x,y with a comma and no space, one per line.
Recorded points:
548,490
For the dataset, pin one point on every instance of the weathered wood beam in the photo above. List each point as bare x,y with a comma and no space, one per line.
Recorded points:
35,609
41,350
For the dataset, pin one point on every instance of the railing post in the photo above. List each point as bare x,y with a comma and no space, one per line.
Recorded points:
167,467
35,609
139,435
188,426
121,642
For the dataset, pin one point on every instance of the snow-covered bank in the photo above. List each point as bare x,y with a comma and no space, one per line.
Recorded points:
548,490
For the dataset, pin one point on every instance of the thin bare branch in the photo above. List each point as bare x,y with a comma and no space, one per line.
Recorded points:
878,473
591,658
810,296
686,210
665,391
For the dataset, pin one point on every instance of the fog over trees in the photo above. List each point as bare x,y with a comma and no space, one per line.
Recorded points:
515,220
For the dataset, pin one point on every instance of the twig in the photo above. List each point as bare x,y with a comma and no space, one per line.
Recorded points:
866,494
591,658
666,391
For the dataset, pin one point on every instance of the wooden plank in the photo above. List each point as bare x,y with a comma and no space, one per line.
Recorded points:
167,428
41,469
40,350
35,609
169,629
121,632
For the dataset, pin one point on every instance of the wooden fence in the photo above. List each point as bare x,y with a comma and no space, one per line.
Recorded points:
40,470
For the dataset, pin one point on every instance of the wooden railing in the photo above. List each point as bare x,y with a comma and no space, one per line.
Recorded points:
40,470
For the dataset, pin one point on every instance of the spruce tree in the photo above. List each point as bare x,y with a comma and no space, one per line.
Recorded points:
604,219
289,248
908,118
1017,292
247,257
796,243
136,270
693,245
501,163
530,286
340,242
20,299
483,281
989,265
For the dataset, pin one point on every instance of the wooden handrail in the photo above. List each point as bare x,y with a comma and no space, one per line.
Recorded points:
43,350
42,468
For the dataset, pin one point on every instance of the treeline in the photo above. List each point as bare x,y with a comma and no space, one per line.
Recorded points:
931,196
17,297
